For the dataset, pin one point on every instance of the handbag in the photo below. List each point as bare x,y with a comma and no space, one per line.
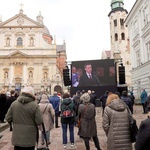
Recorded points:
133,127
78,123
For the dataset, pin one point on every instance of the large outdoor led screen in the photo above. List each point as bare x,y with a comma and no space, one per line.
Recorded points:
93,73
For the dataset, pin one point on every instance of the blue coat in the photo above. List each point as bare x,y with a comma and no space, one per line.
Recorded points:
143,96
55,101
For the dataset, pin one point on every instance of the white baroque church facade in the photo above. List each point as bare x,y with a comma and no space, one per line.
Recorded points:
28,56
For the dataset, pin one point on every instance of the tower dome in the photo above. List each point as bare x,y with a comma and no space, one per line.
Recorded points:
113,1
115,4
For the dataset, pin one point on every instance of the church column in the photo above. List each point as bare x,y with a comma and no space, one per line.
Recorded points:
25,73
11,73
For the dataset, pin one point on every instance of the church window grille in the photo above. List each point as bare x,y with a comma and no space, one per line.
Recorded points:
115,22
122,36
116,37
122,22
19,41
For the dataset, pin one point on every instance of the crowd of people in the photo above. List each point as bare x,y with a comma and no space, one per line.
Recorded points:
25,114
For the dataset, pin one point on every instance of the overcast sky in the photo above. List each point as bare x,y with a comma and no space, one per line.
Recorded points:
83,24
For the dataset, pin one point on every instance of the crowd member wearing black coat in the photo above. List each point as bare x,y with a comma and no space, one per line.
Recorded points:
77,102
143,137
103,99
9,101
127,100
3,99
147,104
132,97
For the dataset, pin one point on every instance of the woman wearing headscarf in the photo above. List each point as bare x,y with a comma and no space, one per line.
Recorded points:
116,124
88,128
48,114
25,115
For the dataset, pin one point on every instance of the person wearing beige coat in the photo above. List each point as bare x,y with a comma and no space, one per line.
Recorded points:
116,124
48,114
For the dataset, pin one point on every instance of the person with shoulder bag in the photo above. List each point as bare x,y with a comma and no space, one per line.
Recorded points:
116,123
48,114
67,119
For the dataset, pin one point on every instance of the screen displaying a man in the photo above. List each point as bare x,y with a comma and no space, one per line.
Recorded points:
75,77
89,78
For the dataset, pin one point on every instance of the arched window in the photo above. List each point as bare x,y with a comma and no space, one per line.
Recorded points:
19,41
122,36
8,42
116,37
31,41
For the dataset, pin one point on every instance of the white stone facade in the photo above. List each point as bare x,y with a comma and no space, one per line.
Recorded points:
138,22
27,55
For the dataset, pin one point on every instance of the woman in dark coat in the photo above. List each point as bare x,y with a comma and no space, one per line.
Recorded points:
88,128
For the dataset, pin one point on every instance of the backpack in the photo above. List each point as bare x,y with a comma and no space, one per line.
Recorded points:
67,112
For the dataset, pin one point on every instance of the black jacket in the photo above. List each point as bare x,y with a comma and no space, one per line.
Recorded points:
143,137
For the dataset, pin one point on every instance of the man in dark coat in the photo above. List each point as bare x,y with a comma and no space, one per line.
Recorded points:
89,78
127,100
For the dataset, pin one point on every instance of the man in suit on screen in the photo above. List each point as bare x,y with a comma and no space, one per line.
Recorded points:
89,78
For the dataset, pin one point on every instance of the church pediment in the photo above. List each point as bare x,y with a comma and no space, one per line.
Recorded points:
20,20
17,54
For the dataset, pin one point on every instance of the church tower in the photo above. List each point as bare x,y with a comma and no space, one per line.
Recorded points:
120,49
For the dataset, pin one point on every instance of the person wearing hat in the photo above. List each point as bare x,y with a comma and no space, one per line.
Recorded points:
25,115
88,128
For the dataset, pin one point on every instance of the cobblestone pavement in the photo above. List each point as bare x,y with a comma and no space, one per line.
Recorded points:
56,134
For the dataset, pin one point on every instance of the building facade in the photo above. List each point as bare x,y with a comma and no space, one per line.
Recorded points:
28,55
138,22
120,50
